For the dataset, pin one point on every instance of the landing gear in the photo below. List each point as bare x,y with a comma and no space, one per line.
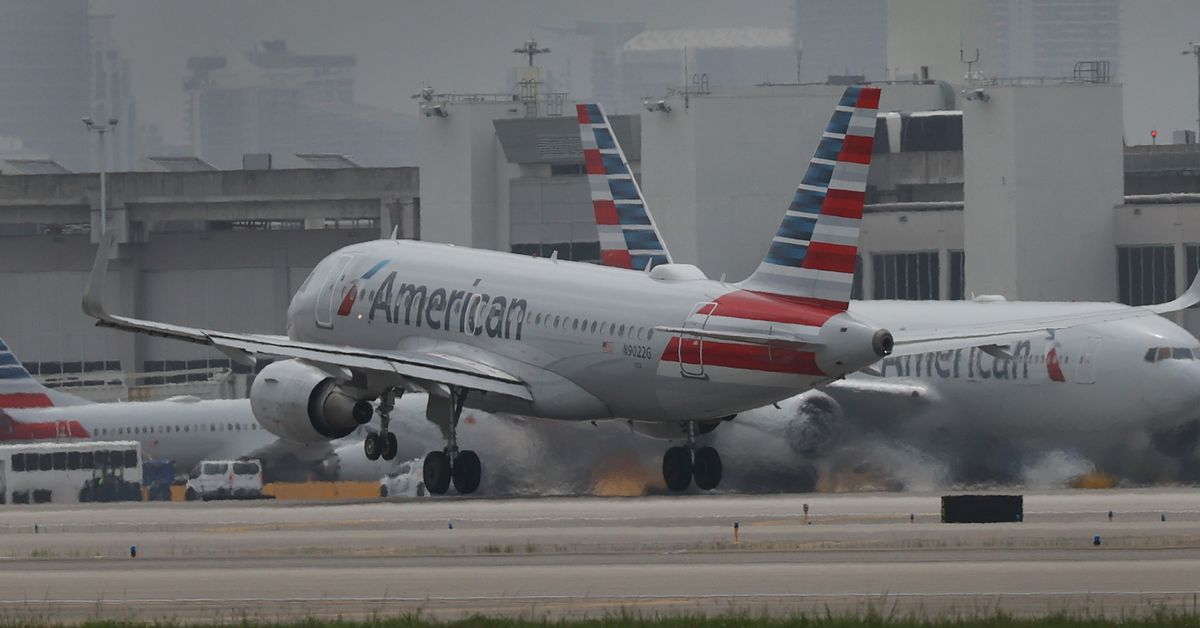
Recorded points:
383,444
706,468
683,464
463,468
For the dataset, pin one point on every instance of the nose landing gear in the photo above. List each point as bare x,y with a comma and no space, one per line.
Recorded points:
462,468
681,465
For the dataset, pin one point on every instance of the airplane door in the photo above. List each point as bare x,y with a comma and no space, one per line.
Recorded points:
333,292
1085,373
3,485
691,349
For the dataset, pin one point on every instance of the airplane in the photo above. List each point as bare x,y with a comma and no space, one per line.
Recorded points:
184,429
561,340
1052,390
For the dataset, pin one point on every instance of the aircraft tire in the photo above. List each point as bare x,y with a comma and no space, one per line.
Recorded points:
677,468
437,472
372,446
706,468
390,446
467,472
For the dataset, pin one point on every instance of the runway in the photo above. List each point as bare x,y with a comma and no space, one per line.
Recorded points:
587,557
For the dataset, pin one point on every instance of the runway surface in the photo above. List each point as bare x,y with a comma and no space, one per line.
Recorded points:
587,557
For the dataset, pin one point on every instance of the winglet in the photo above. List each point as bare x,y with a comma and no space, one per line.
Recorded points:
93,295
1190,297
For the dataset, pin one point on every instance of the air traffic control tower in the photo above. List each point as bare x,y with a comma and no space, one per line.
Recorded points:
1043,173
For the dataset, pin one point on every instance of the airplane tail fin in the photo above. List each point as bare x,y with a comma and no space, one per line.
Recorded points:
814,252
628,236
18,389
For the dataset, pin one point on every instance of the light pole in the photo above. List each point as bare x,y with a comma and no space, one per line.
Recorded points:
101,129
1194,49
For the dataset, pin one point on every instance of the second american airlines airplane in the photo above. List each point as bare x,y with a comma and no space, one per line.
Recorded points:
1082,388
571,341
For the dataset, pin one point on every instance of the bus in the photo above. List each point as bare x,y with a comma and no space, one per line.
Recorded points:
70,472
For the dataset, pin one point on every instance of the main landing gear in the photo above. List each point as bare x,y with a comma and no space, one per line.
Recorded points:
683,464
383,444
462,468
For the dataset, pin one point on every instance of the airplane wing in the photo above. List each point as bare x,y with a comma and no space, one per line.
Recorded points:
419,367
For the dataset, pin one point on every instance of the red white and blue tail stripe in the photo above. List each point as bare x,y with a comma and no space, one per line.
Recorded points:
813,254
628,236
19,390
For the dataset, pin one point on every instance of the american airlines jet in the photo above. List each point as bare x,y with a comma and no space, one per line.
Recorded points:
1077,387
570,341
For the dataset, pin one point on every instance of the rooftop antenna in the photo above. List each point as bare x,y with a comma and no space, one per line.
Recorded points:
530,49
970,64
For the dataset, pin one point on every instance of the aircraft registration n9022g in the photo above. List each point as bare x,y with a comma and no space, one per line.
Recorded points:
570,341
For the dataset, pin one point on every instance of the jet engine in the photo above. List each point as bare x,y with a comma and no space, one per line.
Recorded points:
815,424
301,403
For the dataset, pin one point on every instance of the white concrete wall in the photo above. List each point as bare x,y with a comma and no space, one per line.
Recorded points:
719,173
1043,172
464,177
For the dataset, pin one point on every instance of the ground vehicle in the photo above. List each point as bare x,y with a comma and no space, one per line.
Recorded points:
225,479
157,477
70,472
405,481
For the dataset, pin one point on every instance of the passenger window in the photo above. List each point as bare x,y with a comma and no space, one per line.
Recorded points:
73,460
212,428
556,319
649,334
231,427
622,331
538,321
575,325
612,328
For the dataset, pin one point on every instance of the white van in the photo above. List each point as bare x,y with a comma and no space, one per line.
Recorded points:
407,480
225,479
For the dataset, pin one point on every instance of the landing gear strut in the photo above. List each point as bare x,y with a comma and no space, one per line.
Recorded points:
683,464
462,468
383,444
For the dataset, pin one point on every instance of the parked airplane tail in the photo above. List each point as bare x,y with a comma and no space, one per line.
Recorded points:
813,254
18,389
628,236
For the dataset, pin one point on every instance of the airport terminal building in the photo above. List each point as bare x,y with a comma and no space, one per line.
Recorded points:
999,189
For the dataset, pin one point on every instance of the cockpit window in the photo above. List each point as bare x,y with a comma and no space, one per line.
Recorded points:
1158,354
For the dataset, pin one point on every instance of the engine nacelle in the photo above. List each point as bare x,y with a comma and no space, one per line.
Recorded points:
301,403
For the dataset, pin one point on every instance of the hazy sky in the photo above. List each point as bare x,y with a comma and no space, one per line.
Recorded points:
463,45
456,45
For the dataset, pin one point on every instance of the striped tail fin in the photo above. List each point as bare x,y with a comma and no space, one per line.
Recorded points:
628,236
813,254
18,389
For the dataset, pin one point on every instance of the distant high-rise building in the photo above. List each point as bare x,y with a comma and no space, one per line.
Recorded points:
657,60
273,100
1047,37
841,37
112,97
44,78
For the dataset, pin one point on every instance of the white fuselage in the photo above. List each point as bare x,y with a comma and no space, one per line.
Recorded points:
185,430
581,336
1073,384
